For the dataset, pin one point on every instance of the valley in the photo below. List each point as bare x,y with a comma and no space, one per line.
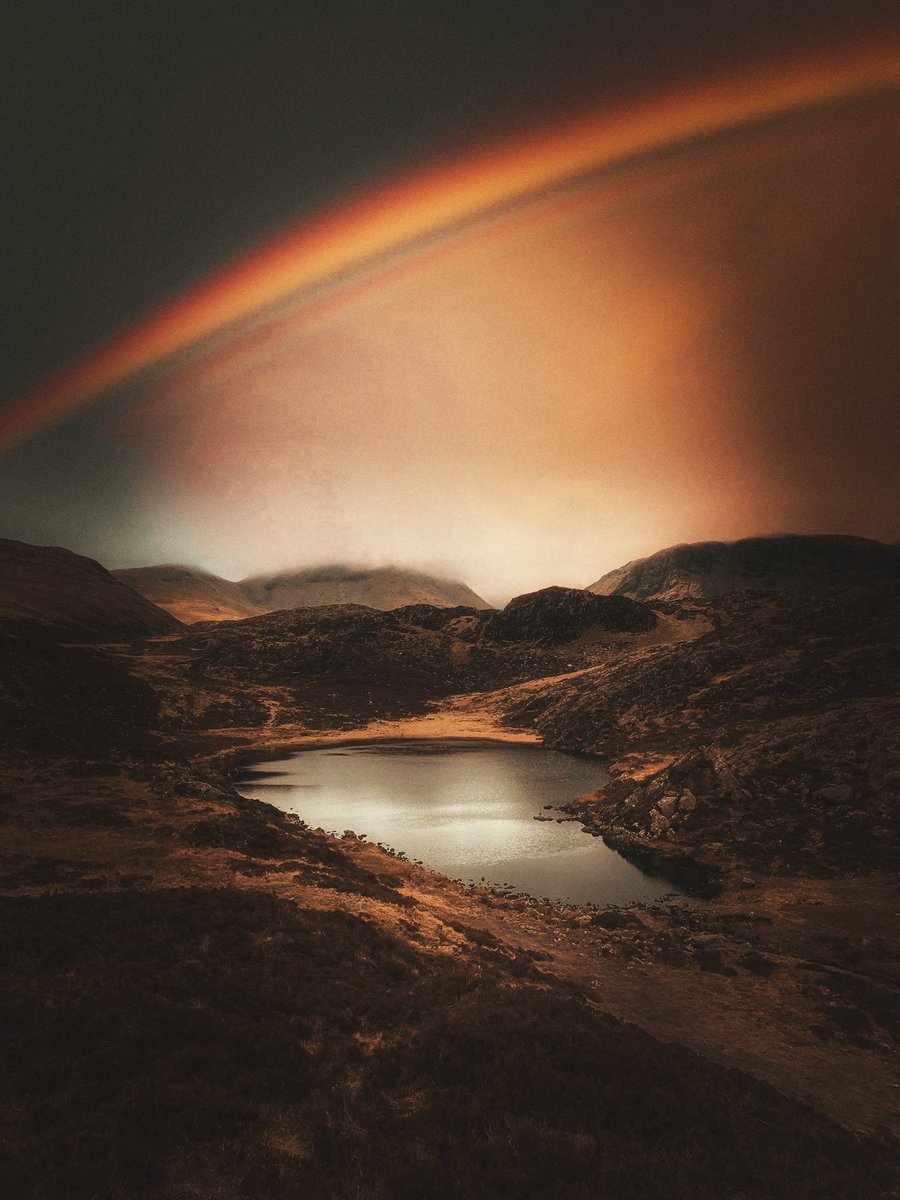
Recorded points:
207,997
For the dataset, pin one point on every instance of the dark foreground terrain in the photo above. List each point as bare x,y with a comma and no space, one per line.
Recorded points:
205,999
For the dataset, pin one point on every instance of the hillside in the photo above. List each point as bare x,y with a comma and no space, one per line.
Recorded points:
189,593
193,595
379,587
554,616
74,596
768,744
794,563
344,663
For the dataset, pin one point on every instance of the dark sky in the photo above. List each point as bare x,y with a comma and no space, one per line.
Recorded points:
148,142
700,343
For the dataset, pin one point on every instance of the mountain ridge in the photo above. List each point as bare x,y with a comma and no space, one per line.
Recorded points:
193,595
189,593
801,563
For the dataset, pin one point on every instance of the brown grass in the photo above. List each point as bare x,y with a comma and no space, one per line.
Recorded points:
200,1043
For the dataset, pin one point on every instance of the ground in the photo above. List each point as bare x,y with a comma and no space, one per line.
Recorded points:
207,999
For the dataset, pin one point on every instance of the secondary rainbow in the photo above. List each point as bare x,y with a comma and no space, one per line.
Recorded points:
446,196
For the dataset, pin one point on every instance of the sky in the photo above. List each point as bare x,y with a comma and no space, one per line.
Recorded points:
515,292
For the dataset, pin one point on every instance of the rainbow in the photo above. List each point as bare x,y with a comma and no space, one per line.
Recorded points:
443,198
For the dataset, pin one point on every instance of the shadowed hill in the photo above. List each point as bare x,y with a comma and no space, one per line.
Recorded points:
51,587
556,615
771,741
794,563
189,593
347,661
334,663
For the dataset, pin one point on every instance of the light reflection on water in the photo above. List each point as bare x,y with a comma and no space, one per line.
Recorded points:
467,811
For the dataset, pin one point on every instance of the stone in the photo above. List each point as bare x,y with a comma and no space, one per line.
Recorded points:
658,824
667,804
655,789
835,793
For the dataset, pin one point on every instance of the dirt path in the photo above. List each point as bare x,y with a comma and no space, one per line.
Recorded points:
757,1025
475,717
760,1026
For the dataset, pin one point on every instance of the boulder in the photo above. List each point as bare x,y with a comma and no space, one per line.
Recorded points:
835,793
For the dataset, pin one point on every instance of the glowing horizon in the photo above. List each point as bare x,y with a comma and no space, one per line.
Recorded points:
442,199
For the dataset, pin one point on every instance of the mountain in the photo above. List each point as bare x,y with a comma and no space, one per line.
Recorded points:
796,563
378,587
190,594
554,616
194,595
49,586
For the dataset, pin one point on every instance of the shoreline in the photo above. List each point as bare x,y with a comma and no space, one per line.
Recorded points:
694,880
448,725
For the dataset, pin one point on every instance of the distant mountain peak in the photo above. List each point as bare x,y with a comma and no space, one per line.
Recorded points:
384,587
193,595
783,562
189,593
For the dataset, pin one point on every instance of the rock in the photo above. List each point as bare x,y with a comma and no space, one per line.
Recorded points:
835,793
554,616
705,939
656,788
688,801
658,824
667,805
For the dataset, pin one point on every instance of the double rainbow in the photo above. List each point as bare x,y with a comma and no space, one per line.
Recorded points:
443,198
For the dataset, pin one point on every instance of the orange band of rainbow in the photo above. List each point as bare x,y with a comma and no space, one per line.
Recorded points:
440,197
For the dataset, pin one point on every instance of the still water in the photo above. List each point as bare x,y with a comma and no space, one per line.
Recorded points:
467,811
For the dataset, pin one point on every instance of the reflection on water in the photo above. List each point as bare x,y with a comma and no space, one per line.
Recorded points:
467,811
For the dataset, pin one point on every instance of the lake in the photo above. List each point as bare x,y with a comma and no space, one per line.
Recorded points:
464,810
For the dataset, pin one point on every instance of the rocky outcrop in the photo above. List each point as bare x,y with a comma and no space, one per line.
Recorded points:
771,742
675,796
554,616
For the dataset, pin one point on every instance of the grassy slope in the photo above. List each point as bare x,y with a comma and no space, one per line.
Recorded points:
215,1043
